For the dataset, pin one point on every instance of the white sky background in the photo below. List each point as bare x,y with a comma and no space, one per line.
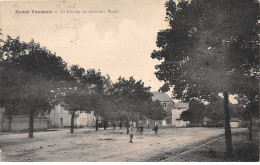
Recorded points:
119,44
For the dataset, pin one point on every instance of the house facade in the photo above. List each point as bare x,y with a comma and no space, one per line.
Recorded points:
173,110
235,122
60,117
178,108
167,105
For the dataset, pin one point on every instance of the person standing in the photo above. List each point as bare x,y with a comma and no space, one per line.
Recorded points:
156,129
131,133
141,129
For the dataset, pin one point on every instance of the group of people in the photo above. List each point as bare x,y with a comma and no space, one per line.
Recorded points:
132,131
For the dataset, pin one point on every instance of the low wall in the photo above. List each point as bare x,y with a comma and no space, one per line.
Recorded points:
22,123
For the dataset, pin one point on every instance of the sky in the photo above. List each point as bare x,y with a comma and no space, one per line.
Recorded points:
119,43
115,36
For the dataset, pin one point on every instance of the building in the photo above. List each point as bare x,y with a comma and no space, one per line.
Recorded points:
235,122
173,110
178,108
167,105
165,100
60,117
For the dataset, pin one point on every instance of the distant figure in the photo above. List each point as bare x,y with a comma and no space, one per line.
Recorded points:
131,133
141,129
155,129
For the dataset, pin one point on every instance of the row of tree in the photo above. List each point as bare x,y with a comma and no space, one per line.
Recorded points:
34,80
210,47
199,111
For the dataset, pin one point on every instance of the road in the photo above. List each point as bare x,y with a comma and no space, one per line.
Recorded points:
104,145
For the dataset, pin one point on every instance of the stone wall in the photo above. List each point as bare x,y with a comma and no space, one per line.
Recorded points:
22,124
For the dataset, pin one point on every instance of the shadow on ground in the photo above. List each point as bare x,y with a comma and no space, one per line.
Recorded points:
244,151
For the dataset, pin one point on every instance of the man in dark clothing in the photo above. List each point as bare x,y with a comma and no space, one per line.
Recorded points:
156,129
141,129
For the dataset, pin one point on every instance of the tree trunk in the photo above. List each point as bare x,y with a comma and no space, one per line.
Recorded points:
120,124
72,121
114,124
127,127
96,123
148,122
228,136
105,125
10,123
31,116
137,121
250,127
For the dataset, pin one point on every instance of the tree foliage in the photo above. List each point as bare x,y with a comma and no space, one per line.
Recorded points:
131,93
133,100
29,73
83,92
196,112
214,111
209,48
155,110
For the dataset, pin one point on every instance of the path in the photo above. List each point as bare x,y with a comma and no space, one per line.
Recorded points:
109,145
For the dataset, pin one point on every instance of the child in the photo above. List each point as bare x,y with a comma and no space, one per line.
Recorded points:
131,133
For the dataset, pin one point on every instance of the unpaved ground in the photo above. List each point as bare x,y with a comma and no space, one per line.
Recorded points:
244,151
104,145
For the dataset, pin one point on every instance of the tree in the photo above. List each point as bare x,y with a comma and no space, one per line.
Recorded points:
249,92
250,104
155,110
8,89
109,111
207,48
196,112
87,92
99,100
213,110
84,92
130,96
30,73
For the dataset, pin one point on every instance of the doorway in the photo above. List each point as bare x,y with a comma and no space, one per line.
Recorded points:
61,122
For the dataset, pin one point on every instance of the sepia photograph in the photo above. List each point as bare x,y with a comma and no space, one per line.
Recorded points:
129,81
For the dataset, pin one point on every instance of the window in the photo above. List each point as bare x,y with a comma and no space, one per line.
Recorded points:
164,104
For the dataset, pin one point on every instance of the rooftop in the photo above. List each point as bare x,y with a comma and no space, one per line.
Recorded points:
233,119
161,97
